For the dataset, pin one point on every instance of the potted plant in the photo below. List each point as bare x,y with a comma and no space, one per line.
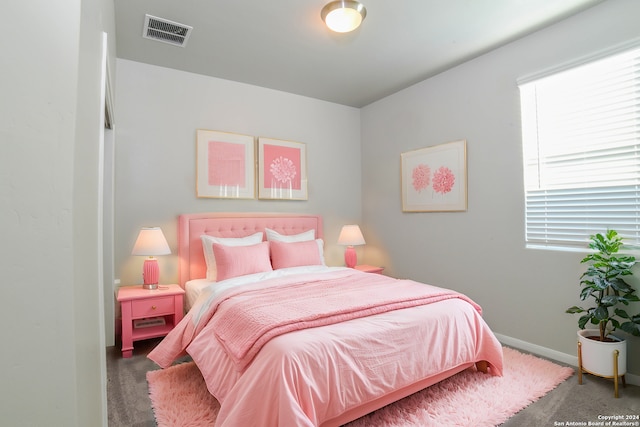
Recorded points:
604,283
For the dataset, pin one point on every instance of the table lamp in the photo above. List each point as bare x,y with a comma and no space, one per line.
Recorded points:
350,235
150,242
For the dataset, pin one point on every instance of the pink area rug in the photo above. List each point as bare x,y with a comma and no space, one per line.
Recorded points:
180,398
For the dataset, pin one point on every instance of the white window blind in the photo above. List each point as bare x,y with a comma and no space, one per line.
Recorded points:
581,149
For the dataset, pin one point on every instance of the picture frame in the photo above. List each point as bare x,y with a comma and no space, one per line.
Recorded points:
225,165
282,169
434,179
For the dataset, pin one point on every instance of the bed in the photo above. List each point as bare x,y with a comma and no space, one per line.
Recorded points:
299,343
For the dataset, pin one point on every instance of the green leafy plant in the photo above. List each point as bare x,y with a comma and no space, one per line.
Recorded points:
604,282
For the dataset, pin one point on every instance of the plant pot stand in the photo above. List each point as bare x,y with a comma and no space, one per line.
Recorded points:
615,376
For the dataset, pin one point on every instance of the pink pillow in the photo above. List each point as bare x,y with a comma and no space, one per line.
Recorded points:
233,261
294,254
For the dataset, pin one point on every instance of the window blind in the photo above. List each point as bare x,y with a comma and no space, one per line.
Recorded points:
581,152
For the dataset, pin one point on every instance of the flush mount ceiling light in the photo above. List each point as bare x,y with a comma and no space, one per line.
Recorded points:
343,16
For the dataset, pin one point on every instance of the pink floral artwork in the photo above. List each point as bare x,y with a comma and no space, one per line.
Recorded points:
434,179
443,180
226,162
421,177
282,166
283,169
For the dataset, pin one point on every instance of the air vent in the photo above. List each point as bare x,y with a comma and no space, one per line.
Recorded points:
166,31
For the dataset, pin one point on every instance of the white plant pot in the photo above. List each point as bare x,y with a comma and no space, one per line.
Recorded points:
597,356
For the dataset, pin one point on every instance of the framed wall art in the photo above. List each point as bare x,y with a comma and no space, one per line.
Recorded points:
225,165
434,179
282,169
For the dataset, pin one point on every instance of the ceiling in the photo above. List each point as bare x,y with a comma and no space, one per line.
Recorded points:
284,45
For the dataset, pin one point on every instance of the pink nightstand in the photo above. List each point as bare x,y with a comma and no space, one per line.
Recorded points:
369,268
148,313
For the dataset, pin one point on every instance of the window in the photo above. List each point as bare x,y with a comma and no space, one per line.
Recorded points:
581,149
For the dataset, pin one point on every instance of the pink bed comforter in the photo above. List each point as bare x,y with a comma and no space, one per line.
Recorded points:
346,338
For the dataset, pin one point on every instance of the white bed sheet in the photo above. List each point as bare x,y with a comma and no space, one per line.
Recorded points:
196,287
193,289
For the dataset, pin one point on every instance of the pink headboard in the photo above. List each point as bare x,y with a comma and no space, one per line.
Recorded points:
191,263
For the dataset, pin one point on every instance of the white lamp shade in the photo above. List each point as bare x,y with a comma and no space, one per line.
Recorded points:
151,242
351,235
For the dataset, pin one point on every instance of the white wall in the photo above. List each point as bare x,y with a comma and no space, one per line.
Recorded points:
158,112
50,358
96,18
481,251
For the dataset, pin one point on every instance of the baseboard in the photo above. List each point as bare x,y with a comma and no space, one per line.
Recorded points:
553,354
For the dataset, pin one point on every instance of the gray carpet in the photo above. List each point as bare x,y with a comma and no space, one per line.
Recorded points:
129,404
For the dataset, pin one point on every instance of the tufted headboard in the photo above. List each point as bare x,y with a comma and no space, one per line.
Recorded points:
191,263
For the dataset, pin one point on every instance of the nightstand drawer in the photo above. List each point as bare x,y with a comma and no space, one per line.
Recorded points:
152,307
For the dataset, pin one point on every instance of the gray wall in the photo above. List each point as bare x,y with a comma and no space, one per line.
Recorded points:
481,252
158,112
52,366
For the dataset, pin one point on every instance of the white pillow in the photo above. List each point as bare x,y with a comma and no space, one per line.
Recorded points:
320,243
273,235
207,247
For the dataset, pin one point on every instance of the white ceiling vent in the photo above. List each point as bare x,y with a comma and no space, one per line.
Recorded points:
166,31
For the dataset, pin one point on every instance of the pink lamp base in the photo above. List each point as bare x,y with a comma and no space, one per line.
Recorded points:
350,257
150,273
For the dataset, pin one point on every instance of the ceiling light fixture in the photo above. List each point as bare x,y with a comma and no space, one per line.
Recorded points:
343,16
